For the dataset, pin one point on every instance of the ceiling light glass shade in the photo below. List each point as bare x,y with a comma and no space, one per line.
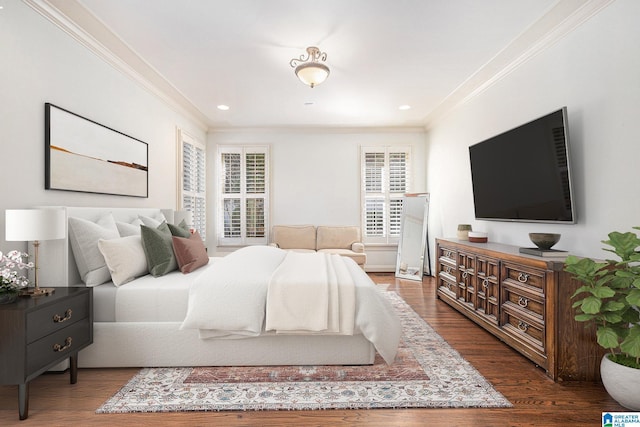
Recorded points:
309,69
312,73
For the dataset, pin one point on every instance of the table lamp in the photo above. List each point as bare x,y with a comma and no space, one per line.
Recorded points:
35,225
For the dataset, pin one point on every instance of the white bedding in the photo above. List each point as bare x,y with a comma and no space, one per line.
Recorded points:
157,299
229,300
311,293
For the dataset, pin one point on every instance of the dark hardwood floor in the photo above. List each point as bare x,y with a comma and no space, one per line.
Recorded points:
537,400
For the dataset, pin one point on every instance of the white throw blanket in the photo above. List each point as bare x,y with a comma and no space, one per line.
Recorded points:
311,293
229,300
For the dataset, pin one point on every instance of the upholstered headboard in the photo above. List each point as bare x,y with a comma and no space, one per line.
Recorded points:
56,261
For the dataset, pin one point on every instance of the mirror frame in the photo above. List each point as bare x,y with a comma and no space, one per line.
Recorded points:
425,259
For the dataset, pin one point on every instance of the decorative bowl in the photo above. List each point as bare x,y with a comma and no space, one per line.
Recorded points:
544,240
478,237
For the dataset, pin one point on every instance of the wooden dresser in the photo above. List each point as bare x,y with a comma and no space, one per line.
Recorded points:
523,300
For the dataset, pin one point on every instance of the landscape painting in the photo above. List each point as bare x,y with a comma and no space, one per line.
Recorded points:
82,155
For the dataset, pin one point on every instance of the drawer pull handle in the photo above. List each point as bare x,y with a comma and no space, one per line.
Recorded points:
59,348
523,302
523,326
447,270
485,283
67,315
464,275
523,277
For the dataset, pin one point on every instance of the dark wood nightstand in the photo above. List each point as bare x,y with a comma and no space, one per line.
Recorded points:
39,332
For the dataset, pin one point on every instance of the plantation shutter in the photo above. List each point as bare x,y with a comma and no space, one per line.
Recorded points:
193,194
385,180
244,195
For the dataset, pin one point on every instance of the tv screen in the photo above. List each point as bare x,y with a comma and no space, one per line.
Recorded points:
523,174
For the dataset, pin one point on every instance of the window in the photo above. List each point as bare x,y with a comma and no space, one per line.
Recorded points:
192,197
244,195
385,180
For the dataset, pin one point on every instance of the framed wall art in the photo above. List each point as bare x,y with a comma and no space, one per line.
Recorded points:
83,155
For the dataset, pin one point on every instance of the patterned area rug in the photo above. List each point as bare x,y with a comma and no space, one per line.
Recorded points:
428,373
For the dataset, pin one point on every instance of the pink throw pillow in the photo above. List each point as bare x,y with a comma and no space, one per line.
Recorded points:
190,252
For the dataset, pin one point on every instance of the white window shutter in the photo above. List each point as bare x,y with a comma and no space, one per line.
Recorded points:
385,179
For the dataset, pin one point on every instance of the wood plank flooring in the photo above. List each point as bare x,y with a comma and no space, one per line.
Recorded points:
537,400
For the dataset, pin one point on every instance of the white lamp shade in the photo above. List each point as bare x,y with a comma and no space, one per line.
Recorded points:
34,224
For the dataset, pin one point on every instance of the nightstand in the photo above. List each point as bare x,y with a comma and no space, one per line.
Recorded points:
39,332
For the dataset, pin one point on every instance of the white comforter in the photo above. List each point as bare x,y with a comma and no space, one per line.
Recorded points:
230,300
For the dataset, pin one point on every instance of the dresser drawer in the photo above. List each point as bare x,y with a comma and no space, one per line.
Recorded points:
531,304
524,276
524,329
447,255
52,318
58,345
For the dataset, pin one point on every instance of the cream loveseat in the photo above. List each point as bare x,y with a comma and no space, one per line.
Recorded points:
343,241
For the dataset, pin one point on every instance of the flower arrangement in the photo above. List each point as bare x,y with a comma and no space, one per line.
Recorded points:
10,280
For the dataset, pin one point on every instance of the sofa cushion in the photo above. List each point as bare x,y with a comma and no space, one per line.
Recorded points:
330,237
294,236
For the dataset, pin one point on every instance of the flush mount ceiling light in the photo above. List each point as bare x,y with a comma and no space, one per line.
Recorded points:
308,68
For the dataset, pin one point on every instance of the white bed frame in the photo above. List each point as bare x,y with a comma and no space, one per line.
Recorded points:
150,344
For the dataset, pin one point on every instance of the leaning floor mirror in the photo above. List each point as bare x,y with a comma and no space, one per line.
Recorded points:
413,251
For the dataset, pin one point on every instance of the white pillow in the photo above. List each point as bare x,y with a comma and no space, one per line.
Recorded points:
152,222
126,229
125,258
84,236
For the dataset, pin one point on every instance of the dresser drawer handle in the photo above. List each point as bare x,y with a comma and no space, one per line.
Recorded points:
523,302
67,315
59,348
523,326
465,275
447,270
485,283
523,277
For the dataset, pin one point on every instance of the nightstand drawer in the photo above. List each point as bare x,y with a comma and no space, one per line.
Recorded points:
44,321
58,345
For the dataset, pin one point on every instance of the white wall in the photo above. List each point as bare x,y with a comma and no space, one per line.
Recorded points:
595,72
315,175
40,63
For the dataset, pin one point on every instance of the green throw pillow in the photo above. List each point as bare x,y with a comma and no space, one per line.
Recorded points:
158,249
180,230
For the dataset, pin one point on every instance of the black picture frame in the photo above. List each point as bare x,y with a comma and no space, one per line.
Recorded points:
84,156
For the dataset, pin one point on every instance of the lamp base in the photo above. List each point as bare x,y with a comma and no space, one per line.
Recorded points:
37,292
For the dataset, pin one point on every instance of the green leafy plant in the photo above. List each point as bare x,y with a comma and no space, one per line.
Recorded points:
610,297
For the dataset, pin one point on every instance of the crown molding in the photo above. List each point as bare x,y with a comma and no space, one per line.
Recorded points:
560,20
75,20
318,129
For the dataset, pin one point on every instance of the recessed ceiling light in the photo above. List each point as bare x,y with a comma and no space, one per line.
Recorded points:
404,107
223,107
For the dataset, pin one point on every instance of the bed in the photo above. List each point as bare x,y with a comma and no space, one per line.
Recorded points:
143,322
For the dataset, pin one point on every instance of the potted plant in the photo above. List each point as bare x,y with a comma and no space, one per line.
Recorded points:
610,297
10,281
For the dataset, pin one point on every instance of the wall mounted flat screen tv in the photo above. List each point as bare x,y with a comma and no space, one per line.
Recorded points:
524,174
